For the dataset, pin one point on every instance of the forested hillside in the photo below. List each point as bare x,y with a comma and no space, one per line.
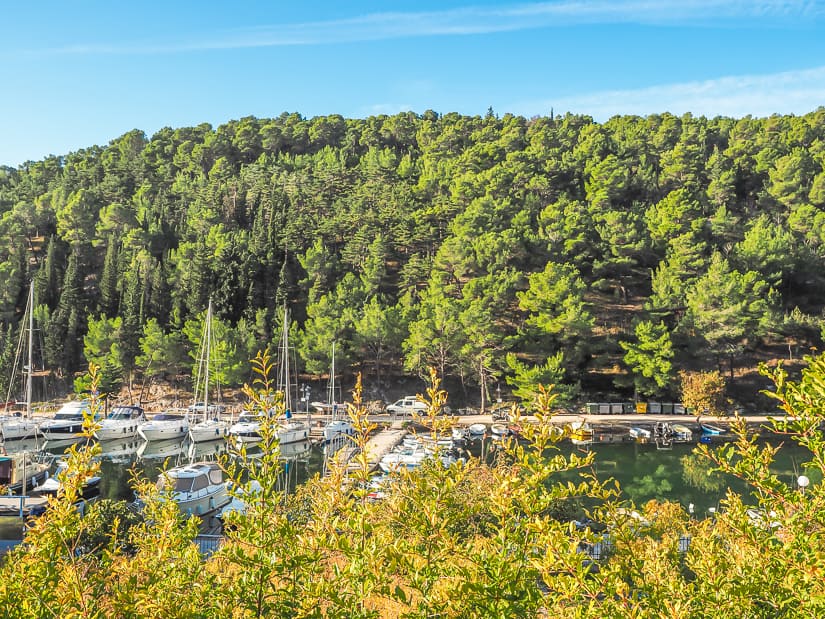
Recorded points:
497,249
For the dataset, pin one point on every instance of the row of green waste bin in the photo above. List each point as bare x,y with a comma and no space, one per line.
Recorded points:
627,408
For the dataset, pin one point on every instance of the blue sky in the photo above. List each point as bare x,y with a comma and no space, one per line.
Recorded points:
80,73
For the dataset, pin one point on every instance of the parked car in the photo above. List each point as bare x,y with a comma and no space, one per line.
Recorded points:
409,405
214,409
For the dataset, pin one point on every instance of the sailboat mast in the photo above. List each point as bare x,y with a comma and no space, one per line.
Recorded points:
332,378
285,362
207,349
29,367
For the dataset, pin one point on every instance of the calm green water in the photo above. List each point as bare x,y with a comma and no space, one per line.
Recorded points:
642,471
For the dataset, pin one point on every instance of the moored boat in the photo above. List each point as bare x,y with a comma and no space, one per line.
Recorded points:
164,427
477,429
711,430
20,472
67,422
681,433
581,433
121,423
198,489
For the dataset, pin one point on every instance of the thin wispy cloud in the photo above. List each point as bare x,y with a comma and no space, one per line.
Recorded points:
790,92
387,108
473,20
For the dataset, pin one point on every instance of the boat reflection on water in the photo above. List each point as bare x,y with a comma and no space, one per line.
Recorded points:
300,450
22,445
59,447
207,450
120,452
160,450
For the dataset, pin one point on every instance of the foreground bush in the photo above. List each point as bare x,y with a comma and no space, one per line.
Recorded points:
472,540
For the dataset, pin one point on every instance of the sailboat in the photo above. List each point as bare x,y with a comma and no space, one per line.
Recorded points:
211,427
337,427
288,429
19,425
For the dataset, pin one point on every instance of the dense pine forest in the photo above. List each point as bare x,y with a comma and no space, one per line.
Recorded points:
603,257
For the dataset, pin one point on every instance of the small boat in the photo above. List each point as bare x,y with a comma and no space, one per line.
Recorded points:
121,423
248,427
681,433
500,430
199,489
165,427
52,485
22,471
581,433
67,422
640,435
477,429
292,431
208,430
711,430
402,460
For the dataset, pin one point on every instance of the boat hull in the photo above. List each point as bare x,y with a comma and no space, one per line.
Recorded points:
208,431
15,429
164,431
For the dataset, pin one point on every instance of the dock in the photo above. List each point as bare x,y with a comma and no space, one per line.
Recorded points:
21,506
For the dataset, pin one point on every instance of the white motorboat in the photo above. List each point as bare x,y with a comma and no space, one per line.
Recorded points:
681,433
500,430
164,427
198,489
292,431
405,459
18,424
337,429
210,426
15,426
209,430
52,485
477,429
20,472
248,427
67,422
121,423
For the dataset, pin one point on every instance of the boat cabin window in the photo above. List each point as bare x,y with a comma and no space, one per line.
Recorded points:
167,417
69,415
215,476
5,471
248,416
200,482
124,412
